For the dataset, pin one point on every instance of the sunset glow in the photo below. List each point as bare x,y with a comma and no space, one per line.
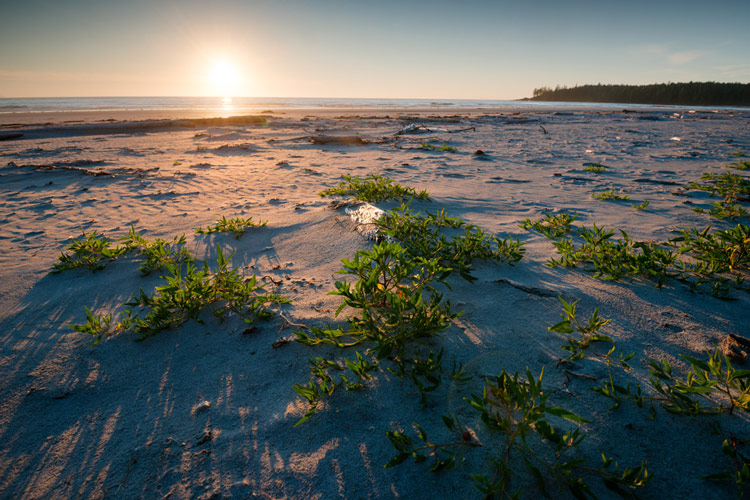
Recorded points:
224,80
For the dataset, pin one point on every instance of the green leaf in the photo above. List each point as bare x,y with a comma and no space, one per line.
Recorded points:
560,412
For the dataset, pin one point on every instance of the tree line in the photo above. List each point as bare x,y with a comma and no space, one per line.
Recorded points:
689,94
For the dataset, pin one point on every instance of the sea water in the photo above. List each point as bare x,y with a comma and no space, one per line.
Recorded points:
62,104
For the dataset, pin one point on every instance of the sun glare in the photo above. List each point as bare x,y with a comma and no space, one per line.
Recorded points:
224,79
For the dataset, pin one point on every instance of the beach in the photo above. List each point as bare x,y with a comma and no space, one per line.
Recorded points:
208,409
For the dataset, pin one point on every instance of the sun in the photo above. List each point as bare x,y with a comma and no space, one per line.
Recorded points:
224,78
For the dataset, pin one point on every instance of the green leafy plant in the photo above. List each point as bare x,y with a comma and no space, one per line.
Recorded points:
588,331
425,236
711,386
373,188
722,210
183,297
442,454
740,165
91,251
158,252
597,167
718,252
642,206
432,147
519,410
609,195
236,225
552,226
615,259
101,327
740,465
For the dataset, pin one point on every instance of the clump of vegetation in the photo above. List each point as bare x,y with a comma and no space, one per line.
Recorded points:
158,253
615,259
609,195
718,252
552,226
733,188
425,236
723,210
397,302
642,206
520,411
588,332
442,148
373,188
740,471
91,251
597,167
740,165
712,386
398,307
184,296
236,225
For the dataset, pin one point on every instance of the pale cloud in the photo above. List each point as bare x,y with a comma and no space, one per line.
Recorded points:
670,55
685,57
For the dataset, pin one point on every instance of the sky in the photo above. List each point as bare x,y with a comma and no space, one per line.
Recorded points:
435,49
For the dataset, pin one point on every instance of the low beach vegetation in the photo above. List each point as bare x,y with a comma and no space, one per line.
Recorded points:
186,292
91,251
740,165
642,206
373,188
552,226
525,431
443,148
597,167
609,195
236,225
398,302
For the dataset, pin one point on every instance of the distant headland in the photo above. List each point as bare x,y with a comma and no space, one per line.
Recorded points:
685,94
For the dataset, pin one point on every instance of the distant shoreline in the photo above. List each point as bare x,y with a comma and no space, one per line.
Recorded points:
661,94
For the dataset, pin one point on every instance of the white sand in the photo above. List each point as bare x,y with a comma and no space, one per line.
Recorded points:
122,419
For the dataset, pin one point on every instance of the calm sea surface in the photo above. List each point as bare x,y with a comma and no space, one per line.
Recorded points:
32,105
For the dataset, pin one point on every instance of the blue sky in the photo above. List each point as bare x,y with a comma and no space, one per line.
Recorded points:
324,48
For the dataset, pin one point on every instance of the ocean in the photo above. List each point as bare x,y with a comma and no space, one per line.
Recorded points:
254,104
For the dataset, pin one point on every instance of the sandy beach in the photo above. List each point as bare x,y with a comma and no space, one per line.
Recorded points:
207,410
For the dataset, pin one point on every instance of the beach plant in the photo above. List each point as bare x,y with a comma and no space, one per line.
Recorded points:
519,410
158,253
588,331
92,251
740,165
426,236
739,470
236,225
727,185
442,148
373,188
642,206
615,259
597,167
184,296
712,385
397,307
442,455
722,210
552,226
717,252
101,327
609,195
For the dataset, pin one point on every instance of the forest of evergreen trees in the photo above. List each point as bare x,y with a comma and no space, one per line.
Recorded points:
688,94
